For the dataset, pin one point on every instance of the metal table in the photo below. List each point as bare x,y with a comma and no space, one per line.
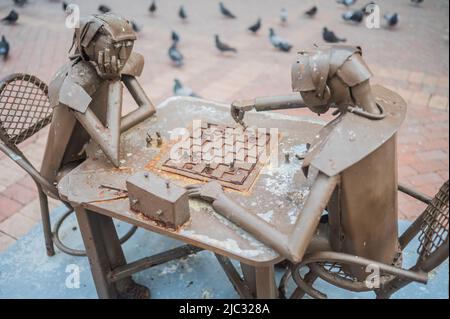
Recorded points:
276,196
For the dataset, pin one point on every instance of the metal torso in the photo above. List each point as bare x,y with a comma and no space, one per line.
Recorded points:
363,210
67,138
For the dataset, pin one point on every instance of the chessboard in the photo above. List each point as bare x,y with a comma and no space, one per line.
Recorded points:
233,156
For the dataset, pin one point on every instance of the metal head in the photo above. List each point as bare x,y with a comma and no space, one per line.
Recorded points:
329,76
106,41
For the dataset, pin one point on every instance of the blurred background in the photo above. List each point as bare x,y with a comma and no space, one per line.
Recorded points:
410,57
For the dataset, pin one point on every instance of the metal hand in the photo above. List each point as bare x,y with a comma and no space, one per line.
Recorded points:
238,109
108,66
208,192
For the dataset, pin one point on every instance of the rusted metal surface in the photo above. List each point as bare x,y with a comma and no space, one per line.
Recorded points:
286,186
158,199
231,157
86,94
359,146
356,136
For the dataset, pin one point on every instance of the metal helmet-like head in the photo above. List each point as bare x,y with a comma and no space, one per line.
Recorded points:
106,41
325,76
309,77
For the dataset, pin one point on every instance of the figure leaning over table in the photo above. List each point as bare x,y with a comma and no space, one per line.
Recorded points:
86,94
351,165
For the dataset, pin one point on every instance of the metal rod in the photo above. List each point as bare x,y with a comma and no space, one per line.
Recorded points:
291,101
147,262
415,194
234,277
307,222
351,259
25,165
46,224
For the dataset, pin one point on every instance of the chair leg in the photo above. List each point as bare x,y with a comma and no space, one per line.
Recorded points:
46,224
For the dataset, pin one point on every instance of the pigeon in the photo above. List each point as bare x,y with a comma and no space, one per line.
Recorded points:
283,16
175,37
180,90
330,37
152,7
255,27
4,48
416,2
103,9
64,6
182,13
391,19
223,47
20,3
353,16
346,3
278,42
135,26
11,18
175,55
311,12
227,13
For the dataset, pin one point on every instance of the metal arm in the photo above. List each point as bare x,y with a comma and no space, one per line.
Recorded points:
146,108
291,246
270,103
253,224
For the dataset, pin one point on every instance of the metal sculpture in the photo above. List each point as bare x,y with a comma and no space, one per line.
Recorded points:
351,165
86,94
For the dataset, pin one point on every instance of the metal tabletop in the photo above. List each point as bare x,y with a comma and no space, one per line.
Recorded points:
277,195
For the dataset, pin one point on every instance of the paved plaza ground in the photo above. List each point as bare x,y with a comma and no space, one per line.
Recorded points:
411,59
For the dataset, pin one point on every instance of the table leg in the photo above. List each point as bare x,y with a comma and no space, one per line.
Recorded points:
105,254
261,280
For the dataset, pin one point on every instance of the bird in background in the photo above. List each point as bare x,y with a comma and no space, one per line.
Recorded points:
353,16
227,13
175,37
416,2
11,18
135,26
182,13
104,9
346,3
278,42
223,47
391,19
20,3
180,90
64,6
4,48
311,12
175,55
255,27
152,7
283,16
330,37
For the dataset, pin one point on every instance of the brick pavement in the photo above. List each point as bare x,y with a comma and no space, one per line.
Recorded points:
412,59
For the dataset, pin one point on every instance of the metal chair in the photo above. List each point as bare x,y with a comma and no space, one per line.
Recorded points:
24,111
431,228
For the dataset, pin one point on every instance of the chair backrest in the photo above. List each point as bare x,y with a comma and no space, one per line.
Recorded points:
434,229
24,107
